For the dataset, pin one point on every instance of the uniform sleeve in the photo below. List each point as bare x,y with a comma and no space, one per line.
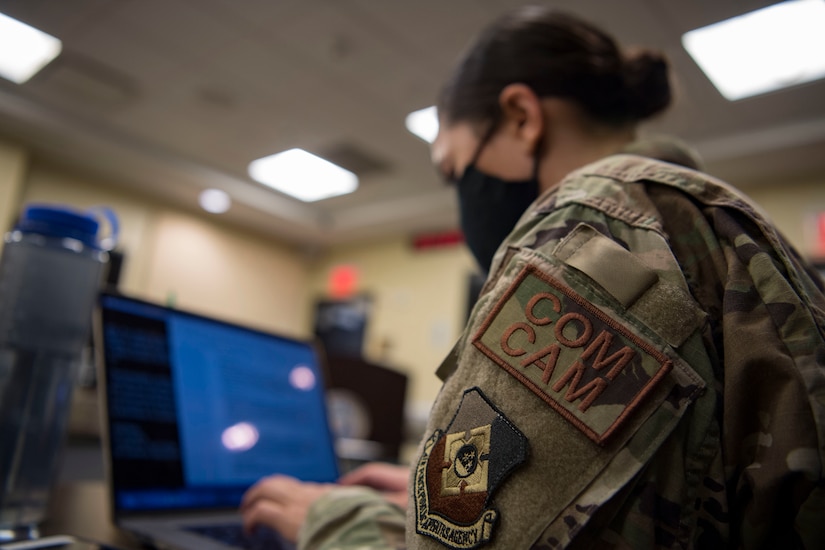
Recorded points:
765,488
774,384
351,518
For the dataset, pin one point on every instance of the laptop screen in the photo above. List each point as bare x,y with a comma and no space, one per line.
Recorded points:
197,409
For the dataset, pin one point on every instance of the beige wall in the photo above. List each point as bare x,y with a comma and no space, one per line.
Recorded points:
13,162
794,208
419,303
228,273
194,260
419,297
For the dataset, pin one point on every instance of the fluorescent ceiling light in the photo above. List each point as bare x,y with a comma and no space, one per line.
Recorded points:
764,50
423,123
24,50
215,201
303,175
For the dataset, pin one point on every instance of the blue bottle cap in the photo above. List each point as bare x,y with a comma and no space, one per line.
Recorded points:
61,222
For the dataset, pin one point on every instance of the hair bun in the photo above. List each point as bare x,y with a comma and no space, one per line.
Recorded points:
647,84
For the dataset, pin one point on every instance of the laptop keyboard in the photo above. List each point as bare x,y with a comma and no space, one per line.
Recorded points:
234,535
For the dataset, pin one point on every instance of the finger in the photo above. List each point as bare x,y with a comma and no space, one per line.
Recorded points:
355,477
382,477
364,478
360,476
399,498
263,513
275,488
378,476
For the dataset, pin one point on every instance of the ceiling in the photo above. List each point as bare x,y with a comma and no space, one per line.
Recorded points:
173,96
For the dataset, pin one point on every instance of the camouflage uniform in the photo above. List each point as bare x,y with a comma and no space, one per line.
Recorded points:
644,369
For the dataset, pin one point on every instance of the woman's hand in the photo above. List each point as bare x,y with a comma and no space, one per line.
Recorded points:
389,479
281,503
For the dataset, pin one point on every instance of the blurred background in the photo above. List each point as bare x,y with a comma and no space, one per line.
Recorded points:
151,102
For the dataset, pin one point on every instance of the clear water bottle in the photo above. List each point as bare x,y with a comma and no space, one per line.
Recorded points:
50,274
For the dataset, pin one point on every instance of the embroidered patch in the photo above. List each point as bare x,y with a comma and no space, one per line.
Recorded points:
460,469
585,365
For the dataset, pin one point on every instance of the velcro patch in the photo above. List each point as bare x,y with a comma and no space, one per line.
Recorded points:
587,366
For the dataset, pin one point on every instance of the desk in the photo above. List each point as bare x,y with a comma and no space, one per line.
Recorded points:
81,509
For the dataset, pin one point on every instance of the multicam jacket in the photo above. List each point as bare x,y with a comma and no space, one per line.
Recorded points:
645,368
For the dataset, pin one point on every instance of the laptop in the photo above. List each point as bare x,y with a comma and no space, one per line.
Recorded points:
195,411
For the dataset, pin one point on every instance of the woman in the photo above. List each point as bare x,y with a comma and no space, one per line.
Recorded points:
644,367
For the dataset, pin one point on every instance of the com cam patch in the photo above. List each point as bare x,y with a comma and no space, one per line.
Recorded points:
459,471
591,369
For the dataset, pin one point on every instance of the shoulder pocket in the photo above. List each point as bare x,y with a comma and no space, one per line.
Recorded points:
662,305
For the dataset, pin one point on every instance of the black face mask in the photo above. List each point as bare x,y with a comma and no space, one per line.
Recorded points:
490,208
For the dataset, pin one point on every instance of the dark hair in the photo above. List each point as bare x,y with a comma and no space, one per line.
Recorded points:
557,55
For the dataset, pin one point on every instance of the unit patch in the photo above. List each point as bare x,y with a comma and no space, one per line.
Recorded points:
460,469
581,362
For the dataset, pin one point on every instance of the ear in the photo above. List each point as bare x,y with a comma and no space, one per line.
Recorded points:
523,116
